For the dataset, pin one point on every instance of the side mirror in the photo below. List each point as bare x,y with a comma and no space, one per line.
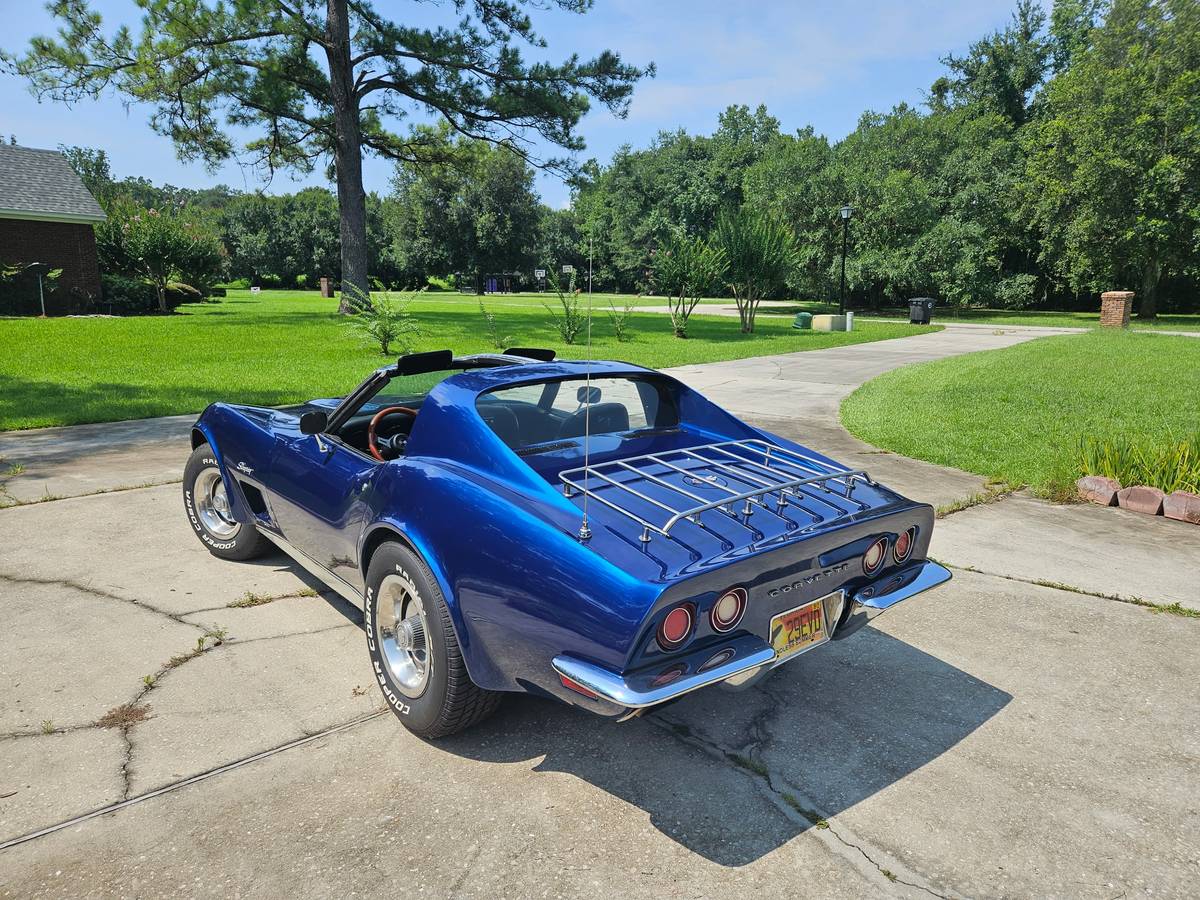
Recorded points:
313,422
587,395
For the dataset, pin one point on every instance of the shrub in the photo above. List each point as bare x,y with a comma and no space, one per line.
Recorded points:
19,292
685,270
572,320
120,295
493,329
238,284
384,319
1171,465
159,246
620,320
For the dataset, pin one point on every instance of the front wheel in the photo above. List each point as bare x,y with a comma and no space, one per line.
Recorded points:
209,514
413,650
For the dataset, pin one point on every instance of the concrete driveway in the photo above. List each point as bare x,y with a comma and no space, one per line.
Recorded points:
997,737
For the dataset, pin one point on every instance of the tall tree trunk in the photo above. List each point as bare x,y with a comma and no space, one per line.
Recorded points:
1148,299
352,199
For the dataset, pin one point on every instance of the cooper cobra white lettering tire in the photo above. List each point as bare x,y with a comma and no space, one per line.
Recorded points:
208,510
414,653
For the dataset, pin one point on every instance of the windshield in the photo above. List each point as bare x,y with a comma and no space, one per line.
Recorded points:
405,390
529,414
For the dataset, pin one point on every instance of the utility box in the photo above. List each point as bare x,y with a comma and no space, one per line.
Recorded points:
803,320
920,310
834,323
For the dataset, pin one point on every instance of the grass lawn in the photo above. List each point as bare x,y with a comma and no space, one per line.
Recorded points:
281,347
1019,414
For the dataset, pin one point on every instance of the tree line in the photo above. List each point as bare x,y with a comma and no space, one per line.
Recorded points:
1058,157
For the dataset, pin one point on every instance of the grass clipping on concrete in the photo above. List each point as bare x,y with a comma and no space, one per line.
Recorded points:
1021,414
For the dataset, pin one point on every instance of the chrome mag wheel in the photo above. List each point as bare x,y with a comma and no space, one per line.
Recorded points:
401,629
212,505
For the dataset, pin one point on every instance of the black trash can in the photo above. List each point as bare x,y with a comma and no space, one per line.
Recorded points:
920,310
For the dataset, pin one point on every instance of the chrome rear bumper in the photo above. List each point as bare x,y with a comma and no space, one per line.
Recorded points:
739,658
883,595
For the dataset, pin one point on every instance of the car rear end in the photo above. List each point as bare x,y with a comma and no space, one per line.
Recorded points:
766,552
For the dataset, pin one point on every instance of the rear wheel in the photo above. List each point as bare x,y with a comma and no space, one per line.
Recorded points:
413,649
209,513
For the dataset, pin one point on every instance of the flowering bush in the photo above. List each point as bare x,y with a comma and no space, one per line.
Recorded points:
158,245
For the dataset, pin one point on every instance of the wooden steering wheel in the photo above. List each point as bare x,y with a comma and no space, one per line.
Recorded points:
379,417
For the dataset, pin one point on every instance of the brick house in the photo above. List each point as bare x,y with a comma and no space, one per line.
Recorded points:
46,216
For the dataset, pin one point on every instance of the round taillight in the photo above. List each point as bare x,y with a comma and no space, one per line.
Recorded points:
873,559
675,627
728,610
904,545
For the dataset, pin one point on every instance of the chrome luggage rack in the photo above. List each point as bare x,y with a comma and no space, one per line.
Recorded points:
752,473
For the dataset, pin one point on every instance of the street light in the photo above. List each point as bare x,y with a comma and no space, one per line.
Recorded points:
846,212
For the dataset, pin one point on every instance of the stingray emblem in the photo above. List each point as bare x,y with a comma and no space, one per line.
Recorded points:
242,467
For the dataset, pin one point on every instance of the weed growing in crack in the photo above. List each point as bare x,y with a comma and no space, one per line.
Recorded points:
47,727
991,494
750,765
148,681
250,598
814,817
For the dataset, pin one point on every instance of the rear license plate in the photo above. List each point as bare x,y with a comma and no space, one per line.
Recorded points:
799,629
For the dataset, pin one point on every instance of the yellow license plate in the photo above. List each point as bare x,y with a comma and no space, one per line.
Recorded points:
799,629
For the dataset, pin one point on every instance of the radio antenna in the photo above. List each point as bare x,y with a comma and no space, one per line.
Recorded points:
584,531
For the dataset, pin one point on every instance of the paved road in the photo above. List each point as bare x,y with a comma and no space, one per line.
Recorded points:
994,738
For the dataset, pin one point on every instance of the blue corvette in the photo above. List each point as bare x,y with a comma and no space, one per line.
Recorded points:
595,532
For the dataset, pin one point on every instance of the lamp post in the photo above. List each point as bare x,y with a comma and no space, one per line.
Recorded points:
846,212
40,269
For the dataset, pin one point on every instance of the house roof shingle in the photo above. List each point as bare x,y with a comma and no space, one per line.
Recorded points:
40,184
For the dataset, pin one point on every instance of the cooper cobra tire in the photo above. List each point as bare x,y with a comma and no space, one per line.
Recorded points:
419,668
207,508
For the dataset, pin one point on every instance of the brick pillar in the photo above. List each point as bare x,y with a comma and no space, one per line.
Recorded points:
1115,307
326,287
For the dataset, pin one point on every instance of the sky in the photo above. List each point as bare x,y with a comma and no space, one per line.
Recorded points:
811,63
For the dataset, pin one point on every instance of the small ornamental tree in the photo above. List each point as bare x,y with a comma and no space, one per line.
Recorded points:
159,245
761,254
687,269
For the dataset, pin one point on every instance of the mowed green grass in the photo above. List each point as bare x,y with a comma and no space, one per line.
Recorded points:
1018,414
282,347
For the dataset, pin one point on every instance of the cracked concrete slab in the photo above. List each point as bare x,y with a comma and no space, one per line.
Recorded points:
83,459
539,802
245,697
997,739
137,545
278,618
68,656
1099,549
48,778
